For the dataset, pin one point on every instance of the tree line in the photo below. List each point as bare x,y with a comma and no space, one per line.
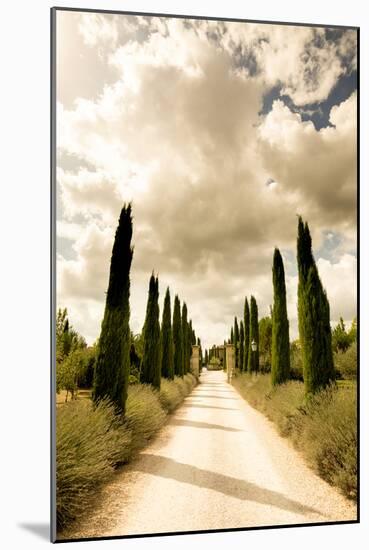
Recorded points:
315,333
161,350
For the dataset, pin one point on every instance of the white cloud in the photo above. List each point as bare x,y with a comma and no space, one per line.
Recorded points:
339,279
179,134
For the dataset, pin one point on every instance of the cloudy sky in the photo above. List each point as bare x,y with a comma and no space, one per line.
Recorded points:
220,134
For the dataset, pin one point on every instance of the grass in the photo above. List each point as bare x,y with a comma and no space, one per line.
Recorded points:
91,441
323,429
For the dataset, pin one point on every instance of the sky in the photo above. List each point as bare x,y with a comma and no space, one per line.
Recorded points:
221,134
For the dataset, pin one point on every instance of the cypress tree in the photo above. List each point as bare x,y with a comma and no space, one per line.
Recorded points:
206,357
253,357
113,360
246,321
280,329
313,317
236,336
167,362
232,336
242,343
191,342
185,339
151,359
177,338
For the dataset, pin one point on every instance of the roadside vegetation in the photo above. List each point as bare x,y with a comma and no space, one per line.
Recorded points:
307,386
114,396
93,440
322,428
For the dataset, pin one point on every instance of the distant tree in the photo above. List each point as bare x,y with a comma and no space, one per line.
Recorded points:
185,339
341,339
265,343
71,373
201,358
67,339
232,336
151,361
177,338
206,357
280,331
86,374
242,344
246,322
313,316
253,357
191,342
167,364
113,360
236,335
353,330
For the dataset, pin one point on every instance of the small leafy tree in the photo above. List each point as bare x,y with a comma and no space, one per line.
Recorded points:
70,372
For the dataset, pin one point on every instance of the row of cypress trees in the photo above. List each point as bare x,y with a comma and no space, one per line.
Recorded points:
313,320
242,337
167,348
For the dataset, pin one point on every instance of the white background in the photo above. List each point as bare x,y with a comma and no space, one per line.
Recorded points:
24,270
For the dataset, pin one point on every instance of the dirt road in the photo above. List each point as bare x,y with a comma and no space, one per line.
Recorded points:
217,464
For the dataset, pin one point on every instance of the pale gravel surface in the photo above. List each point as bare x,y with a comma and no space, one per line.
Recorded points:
217,464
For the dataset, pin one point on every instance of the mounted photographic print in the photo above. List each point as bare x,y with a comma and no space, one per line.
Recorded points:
204,205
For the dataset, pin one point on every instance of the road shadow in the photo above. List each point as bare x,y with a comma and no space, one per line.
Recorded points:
199,406
42,530
162,466
196,424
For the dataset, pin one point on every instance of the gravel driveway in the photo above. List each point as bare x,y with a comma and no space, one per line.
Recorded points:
217,464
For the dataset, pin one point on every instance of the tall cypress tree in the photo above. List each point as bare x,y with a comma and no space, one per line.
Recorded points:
242,343
280,327
113,360
177,338
313,316
232,336
151,360
246,321
167,362
191,342
253,358
206,357
185,339
236,336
